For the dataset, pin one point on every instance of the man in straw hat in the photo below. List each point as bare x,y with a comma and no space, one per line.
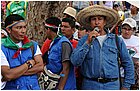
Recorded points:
71,12
97,52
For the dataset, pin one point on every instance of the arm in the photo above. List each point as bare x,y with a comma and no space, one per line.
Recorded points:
11,73
66,51
38,67
66,68
128,66
79,53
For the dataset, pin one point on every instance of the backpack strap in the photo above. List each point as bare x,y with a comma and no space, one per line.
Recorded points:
32,49
118,58
117,43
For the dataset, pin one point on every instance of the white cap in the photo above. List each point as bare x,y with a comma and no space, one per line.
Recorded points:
130,21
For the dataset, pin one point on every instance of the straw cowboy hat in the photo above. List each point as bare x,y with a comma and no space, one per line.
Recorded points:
111,15
70,11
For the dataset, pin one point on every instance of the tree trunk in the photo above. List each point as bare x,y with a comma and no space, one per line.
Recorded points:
37,12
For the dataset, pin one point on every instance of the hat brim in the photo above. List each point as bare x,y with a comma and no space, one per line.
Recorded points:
126,23
96,10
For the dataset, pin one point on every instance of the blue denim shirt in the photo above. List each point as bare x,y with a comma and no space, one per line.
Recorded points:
97,61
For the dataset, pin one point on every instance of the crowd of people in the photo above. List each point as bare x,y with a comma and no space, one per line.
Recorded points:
95,47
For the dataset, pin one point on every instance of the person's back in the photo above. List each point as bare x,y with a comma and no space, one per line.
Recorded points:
58,61
55,65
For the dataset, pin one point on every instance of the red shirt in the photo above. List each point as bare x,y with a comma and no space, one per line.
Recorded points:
45,46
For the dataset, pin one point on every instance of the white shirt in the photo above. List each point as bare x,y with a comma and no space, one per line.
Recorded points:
75,35
4,62
38,51
101,39
132,45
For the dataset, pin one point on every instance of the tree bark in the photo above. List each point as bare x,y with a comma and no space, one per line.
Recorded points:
37,12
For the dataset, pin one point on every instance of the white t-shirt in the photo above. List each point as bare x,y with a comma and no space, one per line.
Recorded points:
132,45
38,51
101,39
5,62
75,35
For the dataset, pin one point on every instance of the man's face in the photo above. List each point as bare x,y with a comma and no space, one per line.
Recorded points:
66,29
18,31
97,21
127,31
48,32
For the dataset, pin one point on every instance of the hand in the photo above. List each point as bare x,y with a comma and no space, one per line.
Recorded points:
91,35
32,62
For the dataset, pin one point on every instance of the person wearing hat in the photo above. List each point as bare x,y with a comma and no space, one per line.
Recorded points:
21,73
71,12
58,61
132,44
97,52
133,13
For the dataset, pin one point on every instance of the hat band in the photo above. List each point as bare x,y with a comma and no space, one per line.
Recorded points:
50,25
11,25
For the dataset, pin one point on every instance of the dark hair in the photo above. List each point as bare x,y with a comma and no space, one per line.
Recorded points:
54,21
11,18
68,16
115,5
70,21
